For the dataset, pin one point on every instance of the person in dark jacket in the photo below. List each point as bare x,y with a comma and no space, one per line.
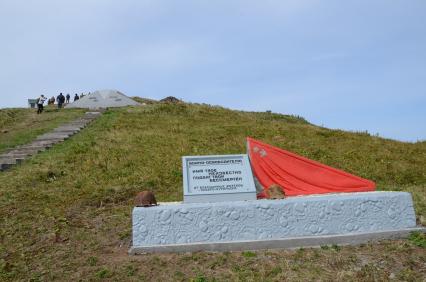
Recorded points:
61,100
68,98
76,97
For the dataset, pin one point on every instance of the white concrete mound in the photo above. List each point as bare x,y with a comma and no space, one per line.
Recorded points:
103,99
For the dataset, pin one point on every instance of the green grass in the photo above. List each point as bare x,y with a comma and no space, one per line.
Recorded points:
21,126
418,239
65,214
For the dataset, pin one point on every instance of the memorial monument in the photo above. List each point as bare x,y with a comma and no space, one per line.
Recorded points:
220,211
102,99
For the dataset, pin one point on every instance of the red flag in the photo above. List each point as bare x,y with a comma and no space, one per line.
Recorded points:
297,175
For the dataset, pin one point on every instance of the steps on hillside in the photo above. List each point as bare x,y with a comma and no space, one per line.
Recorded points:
45,141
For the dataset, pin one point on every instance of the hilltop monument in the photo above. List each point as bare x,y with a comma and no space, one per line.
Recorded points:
103,99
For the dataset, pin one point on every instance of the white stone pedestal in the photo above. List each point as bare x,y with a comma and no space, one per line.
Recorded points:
259,224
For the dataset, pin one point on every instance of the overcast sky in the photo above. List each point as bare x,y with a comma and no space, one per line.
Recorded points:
354,65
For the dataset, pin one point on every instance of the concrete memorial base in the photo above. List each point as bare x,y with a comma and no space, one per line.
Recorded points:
262,224
283,243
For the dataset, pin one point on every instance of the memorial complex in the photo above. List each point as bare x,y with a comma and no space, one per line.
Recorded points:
103,99
221,210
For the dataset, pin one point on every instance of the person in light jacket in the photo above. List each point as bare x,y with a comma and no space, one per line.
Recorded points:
40,102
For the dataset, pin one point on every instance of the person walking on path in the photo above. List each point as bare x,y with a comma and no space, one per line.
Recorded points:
61,100
51,101
76,97
68,98
40,102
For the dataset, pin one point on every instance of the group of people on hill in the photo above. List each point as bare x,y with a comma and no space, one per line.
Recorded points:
60,100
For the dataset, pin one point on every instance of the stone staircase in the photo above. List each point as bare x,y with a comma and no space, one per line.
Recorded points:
45,141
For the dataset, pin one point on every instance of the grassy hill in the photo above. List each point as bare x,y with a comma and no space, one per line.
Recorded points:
19,126
65,214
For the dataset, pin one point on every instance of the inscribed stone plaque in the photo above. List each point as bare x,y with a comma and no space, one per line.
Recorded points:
217,179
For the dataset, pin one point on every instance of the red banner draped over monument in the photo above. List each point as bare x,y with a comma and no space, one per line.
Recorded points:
297,175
